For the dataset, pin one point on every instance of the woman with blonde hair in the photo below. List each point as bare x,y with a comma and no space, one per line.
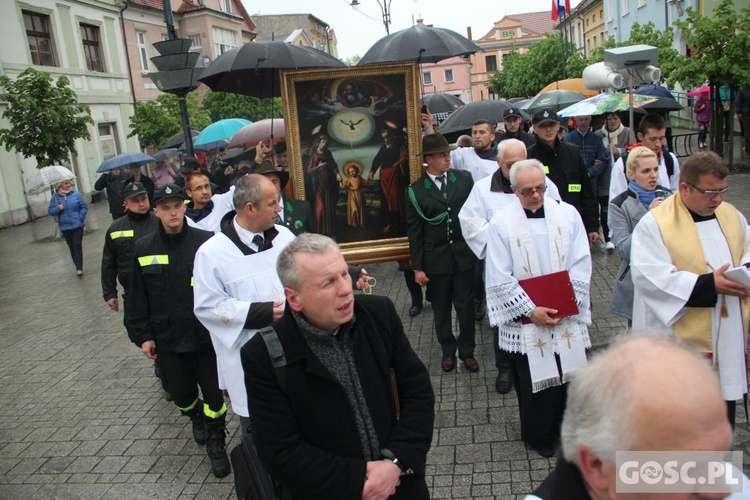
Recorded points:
625,210
68,206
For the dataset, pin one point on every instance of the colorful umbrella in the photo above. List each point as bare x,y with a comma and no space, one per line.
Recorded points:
703,89
121,161
570,84
605,103
555,99
218,131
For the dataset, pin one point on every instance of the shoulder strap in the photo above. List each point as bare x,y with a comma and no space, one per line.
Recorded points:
669,163
276,352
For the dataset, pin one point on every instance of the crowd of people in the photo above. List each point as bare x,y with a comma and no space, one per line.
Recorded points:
337,402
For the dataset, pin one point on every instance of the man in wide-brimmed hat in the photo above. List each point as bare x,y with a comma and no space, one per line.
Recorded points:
442,259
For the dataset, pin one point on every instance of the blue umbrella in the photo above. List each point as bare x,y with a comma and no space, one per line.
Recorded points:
123,160
223,129
654,90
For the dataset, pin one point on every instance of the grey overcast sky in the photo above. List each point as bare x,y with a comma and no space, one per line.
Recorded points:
357,30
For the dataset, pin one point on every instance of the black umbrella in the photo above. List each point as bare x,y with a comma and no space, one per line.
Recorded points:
442,103
178,139
554,99
465,116
253,69
165,154
419,43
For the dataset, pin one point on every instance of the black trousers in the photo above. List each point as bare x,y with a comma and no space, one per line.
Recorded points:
456,290
541,412
604,214
415,291
188,370
74,239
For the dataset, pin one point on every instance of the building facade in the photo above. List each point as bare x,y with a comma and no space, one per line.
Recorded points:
83,41
214,26
584,26
298,29
511,33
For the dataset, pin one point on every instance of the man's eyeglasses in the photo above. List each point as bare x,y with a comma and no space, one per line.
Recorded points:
707,192
530,191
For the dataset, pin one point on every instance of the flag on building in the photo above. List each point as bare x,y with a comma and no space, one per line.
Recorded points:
560,8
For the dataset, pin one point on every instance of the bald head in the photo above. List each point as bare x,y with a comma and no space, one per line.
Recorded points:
510,151
648,392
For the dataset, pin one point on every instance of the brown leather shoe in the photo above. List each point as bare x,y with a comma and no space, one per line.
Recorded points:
471,364
448,363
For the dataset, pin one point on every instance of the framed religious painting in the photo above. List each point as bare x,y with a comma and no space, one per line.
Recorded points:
352,139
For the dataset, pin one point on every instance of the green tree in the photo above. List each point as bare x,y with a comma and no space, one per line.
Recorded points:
155,121
46,119
525,74
220,105
720,44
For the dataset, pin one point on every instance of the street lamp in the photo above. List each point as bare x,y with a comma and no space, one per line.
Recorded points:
385,11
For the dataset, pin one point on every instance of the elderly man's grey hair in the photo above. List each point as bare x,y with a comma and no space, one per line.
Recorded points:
602,400
509,142
286,265
247,190
523,166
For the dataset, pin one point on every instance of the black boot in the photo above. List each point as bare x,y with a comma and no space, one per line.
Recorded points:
200,434
216,446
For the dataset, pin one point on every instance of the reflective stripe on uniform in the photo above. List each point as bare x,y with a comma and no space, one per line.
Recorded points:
192,405
150,260
574,188
546,169
121,234
192,281
214,414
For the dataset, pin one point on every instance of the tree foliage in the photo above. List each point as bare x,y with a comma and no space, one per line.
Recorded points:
220,105
525,74
45,117
721,44
155,121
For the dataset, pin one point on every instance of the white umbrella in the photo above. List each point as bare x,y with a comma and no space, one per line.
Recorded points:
46,177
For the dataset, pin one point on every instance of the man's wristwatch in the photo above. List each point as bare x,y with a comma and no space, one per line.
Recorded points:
388,455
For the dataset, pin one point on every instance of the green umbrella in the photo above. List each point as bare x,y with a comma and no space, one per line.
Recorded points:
605,103
554,99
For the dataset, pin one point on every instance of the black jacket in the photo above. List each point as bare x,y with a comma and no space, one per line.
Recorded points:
119,248
438,247
568,172
160,307
521,135
115,188
306,433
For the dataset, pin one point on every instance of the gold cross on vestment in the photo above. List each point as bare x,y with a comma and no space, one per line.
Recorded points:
540,344
567,336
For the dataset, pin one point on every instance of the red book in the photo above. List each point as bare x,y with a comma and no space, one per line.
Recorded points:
554,291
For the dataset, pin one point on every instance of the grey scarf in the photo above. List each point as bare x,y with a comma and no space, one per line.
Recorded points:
336,353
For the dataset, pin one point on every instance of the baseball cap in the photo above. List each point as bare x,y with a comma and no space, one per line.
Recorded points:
133,189
546,115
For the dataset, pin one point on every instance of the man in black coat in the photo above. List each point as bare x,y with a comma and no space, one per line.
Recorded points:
113,182
354,415
441,258
160,321
566,169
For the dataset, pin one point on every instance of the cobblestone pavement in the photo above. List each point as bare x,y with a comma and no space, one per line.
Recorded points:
82,415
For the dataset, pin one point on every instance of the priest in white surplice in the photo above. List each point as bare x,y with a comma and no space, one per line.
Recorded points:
535,236
679,253
236,290
487,197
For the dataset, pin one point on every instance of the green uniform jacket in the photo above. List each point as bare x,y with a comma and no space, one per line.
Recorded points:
438,248
298,217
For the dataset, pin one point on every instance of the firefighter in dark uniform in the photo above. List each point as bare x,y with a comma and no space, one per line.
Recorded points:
160,320
119,245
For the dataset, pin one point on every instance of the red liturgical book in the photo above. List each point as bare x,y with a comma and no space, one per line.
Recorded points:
554,291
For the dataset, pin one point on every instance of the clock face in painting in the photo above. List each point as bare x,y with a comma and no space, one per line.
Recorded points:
351,127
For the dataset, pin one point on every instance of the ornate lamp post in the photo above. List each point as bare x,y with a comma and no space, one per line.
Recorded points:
385,11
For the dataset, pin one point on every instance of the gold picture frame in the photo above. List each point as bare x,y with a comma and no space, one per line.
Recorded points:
352,139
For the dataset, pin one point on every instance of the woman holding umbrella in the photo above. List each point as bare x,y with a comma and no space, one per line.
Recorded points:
68,206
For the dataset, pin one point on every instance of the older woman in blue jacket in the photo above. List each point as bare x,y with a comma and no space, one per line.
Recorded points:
68,206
